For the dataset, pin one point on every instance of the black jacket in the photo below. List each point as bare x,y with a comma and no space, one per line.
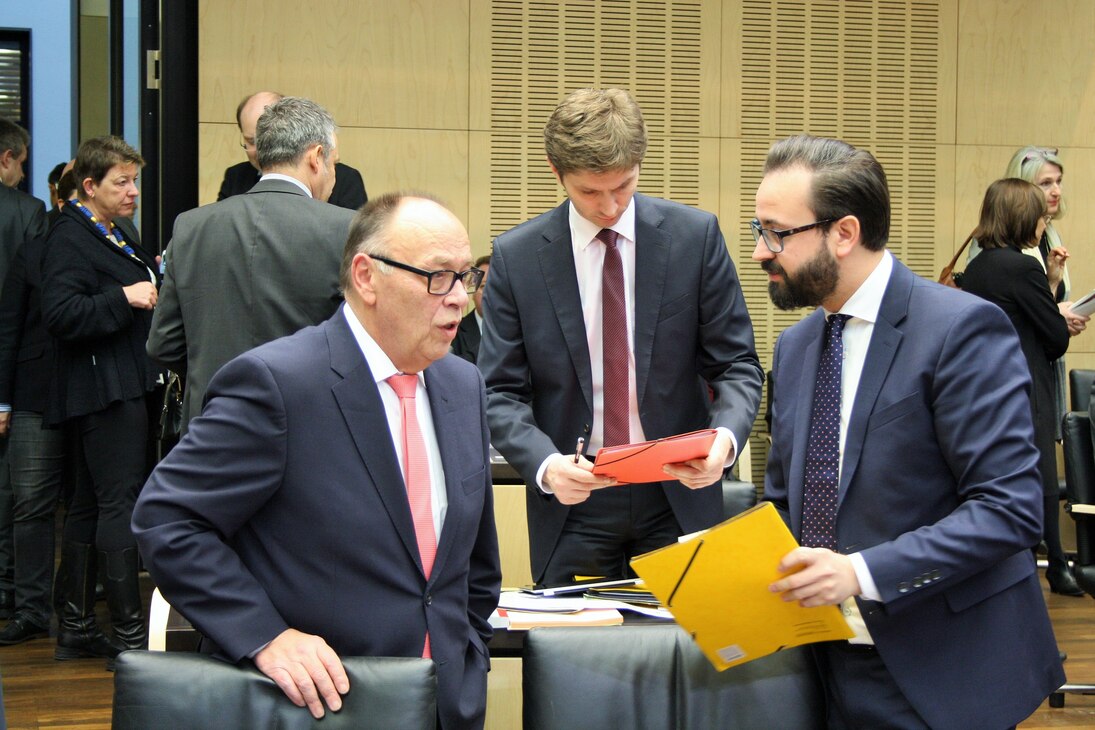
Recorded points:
100,338
349,189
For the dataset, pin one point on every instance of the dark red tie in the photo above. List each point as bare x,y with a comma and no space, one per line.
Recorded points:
823,446
614,345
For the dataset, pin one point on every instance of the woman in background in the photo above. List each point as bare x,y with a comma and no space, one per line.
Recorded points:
98,291
1013,221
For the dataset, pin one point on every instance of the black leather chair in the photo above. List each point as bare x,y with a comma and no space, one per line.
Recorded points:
737,496
654,677
186,691
1080,490
1079,388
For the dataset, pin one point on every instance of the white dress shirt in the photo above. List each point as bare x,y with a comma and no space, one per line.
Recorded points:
286,178
863,308
382,369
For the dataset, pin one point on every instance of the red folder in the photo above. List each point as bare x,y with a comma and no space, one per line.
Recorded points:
643,462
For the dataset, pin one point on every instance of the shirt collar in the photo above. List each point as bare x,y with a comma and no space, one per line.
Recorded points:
867,299
379,363
585,232
286,178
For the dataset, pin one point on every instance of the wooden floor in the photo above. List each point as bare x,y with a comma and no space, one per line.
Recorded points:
42,693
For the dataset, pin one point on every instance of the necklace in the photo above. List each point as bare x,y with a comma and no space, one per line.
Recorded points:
113,235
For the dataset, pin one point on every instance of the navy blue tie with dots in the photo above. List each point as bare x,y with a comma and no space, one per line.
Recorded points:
823,447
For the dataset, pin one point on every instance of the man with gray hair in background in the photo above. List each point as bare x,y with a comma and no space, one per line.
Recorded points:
257,266
349,190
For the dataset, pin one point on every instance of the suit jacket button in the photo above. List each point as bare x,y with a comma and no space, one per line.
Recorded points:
903,587
429,599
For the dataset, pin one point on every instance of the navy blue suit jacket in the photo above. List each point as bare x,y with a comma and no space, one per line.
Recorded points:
693,337
284,506
939,491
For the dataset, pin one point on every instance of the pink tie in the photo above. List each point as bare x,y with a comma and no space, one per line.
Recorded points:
416,475
616,364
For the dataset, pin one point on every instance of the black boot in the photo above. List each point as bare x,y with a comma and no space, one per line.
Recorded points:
1061,581
123,598
79,635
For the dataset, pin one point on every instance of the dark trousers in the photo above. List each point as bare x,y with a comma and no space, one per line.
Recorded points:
7,506
110,448
36,459
1051,533
603,533
860,692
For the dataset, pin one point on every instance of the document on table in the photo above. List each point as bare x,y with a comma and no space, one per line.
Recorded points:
716,586
642,462
518,601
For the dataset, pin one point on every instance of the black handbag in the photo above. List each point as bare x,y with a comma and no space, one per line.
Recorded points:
171,414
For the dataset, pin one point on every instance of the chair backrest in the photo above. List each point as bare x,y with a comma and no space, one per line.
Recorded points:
1080,479
654,676
183,691
1079,388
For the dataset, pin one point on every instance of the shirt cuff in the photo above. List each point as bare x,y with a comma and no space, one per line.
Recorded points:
540,475
5,407
867,587
733,443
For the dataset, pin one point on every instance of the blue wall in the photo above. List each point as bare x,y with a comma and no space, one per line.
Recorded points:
52,42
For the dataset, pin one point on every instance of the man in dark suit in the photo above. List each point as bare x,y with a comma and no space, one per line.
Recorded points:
902,459
22,217
469,333
257,266
349,190
640,336
305,435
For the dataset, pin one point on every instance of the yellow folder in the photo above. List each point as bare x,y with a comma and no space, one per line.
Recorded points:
716,586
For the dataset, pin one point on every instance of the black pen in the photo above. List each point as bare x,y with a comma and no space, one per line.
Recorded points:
578,449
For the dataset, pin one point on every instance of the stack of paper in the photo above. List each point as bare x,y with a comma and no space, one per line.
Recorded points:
524,620
512,601
716,586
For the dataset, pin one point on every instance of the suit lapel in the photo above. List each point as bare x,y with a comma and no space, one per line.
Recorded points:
651,268
885,340
449,426
557,267
361,407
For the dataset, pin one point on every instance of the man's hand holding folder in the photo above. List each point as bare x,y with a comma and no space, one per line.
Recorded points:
696,459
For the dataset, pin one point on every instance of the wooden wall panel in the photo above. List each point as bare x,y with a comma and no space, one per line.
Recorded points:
1026,73
378,64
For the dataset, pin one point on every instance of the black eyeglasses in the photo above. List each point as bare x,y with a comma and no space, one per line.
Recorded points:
773,239
440,283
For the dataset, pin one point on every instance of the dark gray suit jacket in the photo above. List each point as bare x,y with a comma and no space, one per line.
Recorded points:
242,272
693,338
22,217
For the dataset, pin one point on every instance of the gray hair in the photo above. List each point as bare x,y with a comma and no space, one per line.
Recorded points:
1026,163
846,181
13,137
287,128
